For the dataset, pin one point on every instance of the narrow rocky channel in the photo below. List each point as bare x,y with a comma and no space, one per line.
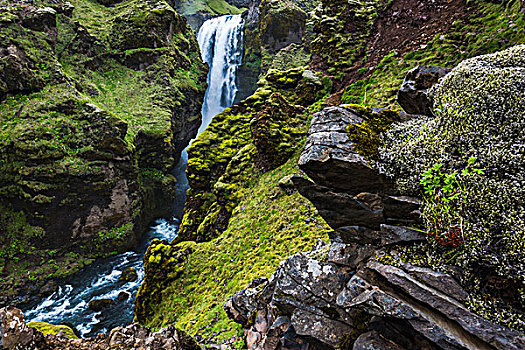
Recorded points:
220,42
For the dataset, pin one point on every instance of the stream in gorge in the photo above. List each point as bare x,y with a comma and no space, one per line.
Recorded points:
220,42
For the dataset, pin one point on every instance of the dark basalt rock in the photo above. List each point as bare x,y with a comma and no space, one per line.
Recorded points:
99,304
339,209
412,95
122,296
356,291
16,335
374,341
330,158
18,73
41,19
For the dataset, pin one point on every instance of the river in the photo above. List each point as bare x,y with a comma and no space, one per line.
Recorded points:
220,42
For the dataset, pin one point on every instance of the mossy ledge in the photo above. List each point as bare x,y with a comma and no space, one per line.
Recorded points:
97,104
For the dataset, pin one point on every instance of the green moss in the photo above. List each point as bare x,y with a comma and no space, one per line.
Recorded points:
366,136
265,227
490,28
468,126
214,7
89,116
337,47
48,328
259,133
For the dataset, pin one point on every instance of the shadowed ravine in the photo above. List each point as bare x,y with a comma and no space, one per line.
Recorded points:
220,41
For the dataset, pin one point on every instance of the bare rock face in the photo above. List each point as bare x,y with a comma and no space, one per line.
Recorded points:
412,95
15,334
329,157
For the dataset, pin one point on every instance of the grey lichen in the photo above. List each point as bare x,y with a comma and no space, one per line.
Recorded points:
479,113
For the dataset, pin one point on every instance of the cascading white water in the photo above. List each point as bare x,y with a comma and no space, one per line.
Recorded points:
220,41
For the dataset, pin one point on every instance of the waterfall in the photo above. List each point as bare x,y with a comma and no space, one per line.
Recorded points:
220,42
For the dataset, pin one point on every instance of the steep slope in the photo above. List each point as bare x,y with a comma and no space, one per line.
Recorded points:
351,47
98,103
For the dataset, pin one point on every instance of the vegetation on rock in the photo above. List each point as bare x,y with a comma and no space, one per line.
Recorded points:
268,224
364,56
492,229
47,328
97,104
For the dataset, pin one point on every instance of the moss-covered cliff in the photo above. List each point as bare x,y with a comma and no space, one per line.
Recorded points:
97,104
356,57
276,36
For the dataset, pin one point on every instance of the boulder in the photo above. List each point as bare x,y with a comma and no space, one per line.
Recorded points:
128,275
58,330
331,159
99,304
412,95
41,19
15,334
482,103
47,289
18,72
122,296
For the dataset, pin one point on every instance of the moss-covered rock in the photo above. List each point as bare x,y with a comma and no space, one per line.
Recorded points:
266,226
258,133
47,328
163,263
198,11
275,31
478,125
97,104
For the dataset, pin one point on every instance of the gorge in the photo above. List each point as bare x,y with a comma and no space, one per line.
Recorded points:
331,174
220,41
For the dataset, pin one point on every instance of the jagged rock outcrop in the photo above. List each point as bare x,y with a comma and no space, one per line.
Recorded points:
362,290
412,95
95,112
15,335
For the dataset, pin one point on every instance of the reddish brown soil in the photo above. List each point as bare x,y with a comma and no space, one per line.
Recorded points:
407,25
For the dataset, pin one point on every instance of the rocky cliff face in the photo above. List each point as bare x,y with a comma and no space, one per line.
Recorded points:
274,37
97,104
380,283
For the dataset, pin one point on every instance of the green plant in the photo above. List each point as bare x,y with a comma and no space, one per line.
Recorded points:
445,197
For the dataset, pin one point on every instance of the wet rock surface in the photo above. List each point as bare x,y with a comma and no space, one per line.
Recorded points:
15,334
99,304
128,275
82,173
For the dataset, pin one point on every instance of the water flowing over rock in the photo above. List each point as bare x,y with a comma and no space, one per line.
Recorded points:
220,41
89,183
